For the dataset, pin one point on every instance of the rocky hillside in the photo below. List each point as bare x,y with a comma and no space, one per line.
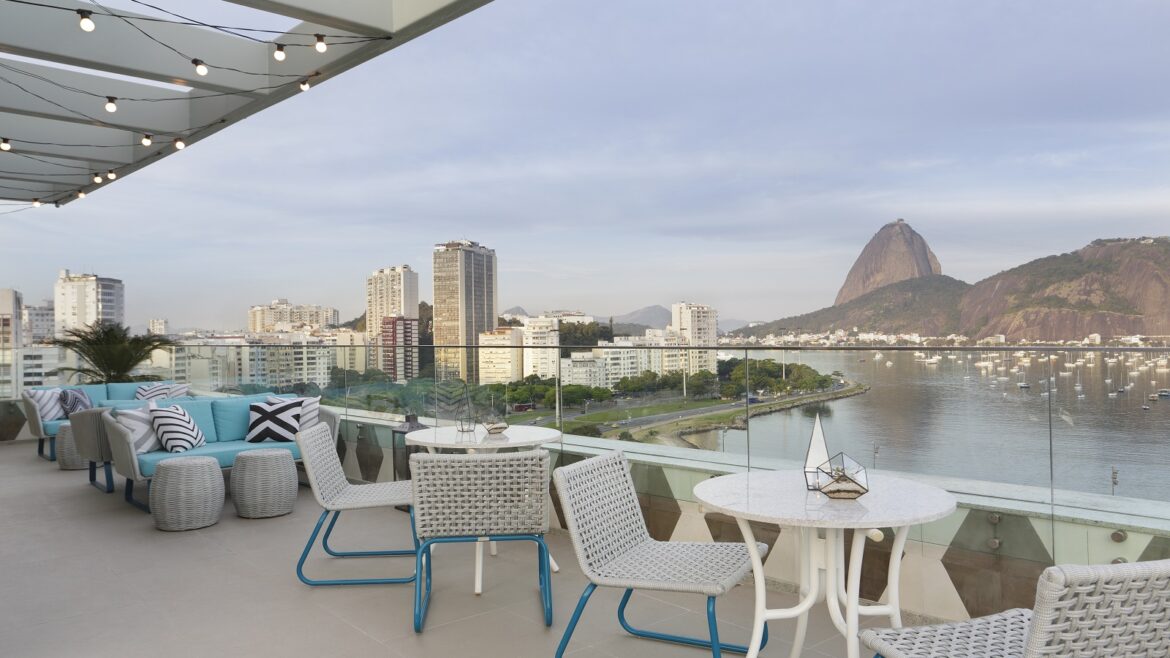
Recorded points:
896,253
1114,287
925,305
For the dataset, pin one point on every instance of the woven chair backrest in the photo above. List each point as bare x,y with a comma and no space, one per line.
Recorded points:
1102,610
479,495
322,465
601,509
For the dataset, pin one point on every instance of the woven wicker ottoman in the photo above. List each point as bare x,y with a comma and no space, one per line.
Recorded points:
186,493
68,458
264,483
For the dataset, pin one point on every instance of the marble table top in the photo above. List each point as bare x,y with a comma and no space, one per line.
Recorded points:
781,497
515,436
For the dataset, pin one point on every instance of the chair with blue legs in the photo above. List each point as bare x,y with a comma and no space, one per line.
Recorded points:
477,497
615,549
45,415
336,494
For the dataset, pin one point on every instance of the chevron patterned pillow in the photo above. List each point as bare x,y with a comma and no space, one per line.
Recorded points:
74,400
176,429
178,390
152,392
279,421
48,402
310,409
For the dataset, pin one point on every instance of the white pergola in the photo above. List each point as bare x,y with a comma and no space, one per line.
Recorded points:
59,136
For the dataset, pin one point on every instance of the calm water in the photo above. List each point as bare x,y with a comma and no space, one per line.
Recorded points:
954,418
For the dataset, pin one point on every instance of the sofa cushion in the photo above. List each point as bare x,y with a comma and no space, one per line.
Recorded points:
126,390
138,423
278,421
231,415
224,452
96,392
119,405
200,411
310,408
47,402
179,391
52,426
74,400
175,429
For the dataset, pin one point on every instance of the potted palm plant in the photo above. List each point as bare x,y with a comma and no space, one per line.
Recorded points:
108,352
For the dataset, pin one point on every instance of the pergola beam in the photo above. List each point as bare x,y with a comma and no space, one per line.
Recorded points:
112,147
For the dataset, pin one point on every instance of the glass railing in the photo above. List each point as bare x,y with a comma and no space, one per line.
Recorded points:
1056,455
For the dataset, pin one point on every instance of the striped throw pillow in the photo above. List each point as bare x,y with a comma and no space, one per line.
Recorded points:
48,402
178,390
176,429
138,423
74,400
152,392
278,421
310,409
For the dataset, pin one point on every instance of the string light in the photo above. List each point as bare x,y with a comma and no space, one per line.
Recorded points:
36,203
278,54
86,23
5,145
111,174
146,141
180,144
200,67
80,194
320,45
111,104
305,84
97,179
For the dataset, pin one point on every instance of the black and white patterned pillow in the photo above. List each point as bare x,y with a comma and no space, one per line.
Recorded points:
74,400
279,421
176,429
310,409
48,402
152,392
141,429
178,390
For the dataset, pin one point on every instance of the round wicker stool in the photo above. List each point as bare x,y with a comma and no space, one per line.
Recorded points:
186,493
68,458
264,483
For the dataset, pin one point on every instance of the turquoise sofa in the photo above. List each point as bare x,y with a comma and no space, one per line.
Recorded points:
224,423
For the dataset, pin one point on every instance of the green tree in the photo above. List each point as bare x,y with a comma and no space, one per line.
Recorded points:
579,337
625,436
108,352
701,384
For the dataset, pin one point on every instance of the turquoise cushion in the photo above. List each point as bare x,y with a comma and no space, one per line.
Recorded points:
231,415
122,404
96,392
200,411
126,390
51,426
224,452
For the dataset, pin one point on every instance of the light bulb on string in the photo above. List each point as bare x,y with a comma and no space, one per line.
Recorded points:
305,84
97,179
80,194
5,145
321,46
180,144
86,22
36,203
111,174
200,67
111,104
146,141
278,54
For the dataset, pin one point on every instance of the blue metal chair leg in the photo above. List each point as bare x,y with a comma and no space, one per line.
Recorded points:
574,619
544,576
52,456
334,553
713,643
352,581
129,494
422,590
109,488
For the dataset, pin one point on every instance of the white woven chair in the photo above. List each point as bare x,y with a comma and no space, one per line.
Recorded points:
466,497
614,549
1080,612
336,494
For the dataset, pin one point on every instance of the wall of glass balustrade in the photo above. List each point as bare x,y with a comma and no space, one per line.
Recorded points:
1056,455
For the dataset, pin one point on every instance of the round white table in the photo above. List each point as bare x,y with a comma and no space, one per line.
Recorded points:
781,497
515,436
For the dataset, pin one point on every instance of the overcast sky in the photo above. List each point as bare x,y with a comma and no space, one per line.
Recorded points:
622,154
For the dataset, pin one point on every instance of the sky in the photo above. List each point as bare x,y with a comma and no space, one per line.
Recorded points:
618,155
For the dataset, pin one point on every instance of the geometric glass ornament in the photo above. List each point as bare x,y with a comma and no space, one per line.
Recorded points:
842,477
818,453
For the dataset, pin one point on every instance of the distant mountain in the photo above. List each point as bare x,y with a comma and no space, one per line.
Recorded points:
656,317
895,253
515,310
731,324
925,305
356,324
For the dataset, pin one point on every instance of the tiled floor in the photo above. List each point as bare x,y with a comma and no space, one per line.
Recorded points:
84,574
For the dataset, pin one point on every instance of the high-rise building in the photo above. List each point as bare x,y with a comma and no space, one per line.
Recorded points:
390,292
465,305
11,303
80,300
158,327
698,325
37,323
501,355
399,348
349,351
280,315
541,340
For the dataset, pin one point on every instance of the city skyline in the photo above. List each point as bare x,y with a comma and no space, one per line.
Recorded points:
718,168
